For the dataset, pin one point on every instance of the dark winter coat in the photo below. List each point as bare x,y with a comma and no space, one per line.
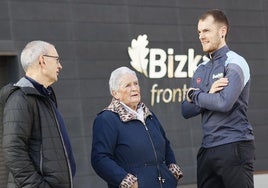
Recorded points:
123,144
33,146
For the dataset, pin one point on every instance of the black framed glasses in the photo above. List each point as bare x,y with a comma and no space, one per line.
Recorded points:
55,57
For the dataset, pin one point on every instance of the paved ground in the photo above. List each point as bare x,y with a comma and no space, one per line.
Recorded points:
260,181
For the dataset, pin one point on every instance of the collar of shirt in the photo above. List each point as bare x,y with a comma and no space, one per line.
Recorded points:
218,53
41,89
139,113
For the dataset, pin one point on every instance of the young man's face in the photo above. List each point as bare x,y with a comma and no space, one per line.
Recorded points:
211,34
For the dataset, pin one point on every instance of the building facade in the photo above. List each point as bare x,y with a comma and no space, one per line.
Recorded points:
93,37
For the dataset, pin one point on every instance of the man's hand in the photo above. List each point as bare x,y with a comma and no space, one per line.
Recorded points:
219,85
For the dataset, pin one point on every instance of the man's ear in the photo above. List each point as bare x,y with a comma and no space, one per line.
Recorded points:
41,60
223,31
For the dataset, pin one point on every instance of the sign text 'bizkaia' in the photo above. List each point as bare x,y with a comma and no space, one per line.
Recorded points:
156,63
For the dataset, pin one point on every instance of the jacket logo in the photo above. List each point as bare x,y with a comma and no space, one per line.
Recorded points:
217,76
198,80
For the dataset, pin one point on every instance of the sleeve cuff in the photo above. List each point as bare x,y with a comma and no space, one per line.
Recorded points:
128,181
175,170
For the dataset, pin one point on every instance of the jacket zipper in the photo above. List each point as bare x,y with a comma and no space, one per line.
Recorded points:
41,159
160,179
62,141
210,71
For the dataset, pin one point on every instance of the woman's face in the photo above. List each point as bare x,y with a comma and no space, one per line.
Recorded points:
129,91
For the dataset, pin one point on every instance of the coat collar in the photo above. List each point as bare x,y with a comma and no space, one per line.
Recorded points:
219,53
117,107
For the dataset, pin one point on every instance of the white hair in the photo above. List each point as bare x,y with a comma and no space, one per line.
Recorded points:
116,75
32,51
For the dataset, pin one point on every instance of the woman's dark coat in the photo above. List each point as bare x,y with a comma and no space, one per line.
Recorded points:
123,144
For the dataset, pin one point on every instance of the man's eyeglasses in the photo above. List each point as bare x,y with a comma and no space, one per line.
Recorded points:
55,57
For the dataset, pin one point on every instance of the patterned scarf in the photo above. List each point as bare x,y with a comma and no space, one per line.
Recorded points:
124,113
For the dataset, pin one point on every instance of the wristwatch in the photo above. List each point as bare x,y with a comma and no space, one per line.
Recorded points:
190,94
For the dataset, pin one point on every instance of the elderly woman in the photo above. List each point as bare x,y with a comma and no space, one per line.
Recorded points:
129,147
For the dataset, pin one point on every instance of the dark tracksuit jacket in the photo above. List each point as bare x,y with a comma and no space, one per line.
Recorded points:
224,114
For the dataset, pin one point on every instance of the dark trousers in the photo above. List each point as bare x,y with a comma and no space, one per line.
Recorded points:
226,166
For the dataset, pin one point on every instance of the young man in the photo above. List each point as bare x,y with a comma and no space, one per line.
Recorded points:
36,146
219,92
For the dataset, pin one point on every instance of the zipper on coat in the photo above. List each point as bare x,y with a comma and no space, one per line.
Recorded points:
62,141
210,71
160,179
41,159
